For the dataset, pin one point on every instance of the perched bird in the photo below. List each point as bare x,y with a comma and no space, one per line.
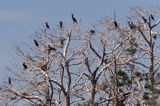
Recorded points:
24,66
61,24
144,19
74,19
152,17
50,48
36,43
92,31
131,25
47,26
115,24
44,67
155,37
9,81
105,61
62,41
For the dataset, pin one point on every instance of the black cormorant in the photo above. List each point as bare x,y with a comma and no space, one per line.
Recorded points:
62,41
74,19
24,66
36,43
115,24
50,48
9,81
152,17
144,19
47,26
44,67
61,24
92,31
155,37
131,25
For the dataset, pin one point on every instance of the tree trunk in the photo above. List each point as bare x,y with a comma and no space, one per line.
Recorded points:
93,91
67,100
152,67
47,92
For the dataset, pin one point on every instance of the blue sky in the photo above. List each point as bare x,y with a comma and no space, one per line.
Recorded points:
19,19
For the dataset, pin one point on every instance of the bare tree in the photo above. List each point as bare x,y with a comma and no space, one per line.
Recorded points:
109,64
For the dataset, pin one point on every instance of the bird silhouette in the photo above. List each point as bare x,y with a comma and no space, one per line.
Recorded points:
92,31
44,67
144,19
47,25
131,25
50,48
62,41
61,24
24,66
152,17
36,43
115,24
155,37
74,19
9,81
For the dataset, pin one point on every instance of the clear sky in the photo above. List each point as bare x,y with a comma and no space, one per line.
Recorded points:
19,19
